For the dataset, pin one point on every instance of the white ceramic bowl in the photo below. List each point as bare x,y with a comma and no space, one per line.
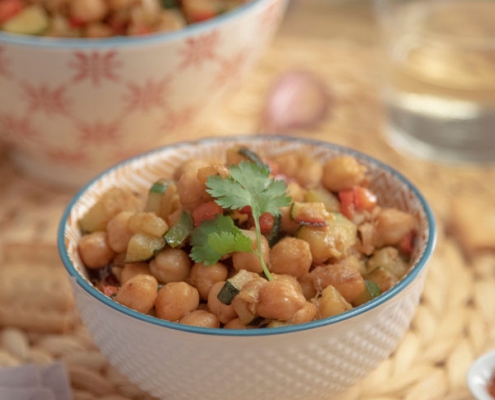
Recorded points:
71,108
309,361
480,374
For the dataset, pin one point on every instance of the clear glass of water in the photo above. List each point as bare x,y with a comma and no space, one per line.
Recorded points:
439,77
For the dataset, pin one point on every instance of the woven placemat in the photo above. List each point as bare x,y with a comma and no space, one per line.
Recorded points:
454,322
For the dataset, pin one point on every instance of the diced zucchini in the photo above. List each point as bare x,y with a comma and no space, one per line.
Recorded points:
143,247
245,302
331,303
163,198
277,324
233,286
275,233
383,278
170,3
321,195
113,201
148,223
155,194
244,310
371,291
252,156
33,20
390,259
236,154
178,233
312,214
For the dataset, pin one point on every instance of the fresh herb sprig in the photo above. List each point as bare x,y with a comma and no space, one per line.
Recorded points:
248,185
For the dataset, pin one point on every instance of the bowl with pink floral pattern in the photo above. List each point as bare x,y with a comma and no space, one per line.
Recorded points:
71,108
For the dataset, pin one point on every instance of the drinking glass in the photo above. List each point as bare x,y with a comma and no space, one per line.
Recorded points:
439,77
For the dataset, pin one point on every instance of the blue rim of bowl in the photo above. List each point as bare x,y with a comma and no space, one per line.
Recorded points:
403,284
119,41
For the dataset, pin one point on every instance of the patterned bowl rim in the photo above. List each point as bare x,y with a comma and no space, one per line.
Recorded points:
120,41
413,273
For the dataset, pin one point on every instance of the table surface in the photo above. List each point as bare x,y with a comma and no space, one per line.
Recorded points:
454,322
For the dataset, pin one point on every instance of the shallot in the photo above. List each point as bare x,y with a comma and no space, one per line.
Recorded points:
298,100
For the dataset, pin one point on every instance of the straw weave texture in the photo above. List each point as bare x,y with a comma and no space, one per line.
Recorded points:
455,321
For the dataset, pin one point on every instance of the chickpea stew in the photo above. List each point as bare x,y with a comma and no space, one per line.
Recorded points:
252,242
106,18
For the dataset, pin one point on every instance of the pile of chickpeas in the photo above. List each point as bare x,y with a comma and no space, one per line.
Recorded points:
106,18
318,271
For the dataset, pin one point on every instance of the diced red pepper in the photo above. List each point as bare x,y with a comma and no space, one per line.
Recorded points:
142,30
246,210
118,25
76,22
407,243
356,199
9,8
346,198
364,199
205,212
197,11
110,290
266,222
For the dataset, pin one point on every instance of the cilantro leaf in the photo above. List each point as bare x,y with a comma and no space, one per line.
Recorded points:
249,185
214,238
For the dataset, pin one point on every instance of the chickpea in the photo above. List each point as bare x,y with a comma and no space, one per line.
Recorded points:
138,293
278,299
192,165
308,289
171,265
117,5
223,312
306,314
348,281
235,323
342,173
210,170
203,277
287,163
118,232
291,256
391,225
296,192
250,261
97,30
354,262
88,10
94,250
201,318
305,170
131,270
289,278
175,300
309,171
192,192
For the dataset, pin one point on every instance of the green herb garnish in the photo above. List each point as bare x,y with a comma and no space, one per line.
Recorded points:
248,185
213,239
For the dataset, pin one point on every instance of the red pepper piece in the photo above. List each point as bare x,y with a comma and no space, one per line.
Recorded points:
9,8
206,211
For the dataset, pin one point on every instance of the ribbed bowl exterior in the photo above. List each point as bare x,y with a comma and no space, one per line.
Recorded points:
310,361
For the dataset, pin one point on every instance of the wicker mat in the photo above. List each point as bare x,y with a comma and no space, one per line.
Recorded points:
455,321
